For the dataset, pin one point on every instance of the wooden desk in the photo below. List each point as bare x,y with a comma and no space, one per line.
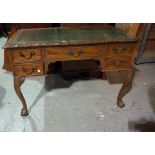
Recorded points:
32,50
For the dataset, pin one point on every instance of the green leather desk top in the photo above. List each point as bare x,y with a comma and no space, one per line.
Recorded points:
65,36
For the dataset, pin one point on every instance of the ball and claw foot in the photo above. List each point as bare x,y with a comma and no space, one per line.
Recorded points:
120,104
24,112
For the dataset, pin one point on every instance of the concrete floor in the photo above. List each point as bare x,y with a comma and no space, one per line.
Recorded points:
78,106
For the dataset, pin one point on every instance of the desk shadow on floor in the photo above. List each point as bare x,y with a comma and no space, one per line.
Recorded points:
151,92
52,81
145,125
142,125
2,95
56,78
55,81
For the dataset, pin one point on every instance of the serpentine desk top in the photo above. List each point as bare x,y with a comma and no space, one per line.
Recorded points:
65,36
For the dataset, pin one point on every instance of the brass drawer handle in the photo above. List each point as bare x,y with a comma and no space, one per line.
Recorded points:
113,62
29,72
124,49
21,54
75,54
116,51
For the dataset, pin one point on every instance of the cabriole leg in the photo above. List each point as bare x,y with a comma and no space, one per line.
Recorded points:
18,81
127,84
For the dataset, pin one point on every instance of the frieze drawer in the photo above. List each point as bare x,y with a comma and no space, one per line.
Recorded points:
26,55
120,49
29,69
111,63
73,53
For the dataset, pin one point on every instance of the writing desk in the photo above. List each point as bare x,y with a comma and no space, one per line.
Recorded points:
32,50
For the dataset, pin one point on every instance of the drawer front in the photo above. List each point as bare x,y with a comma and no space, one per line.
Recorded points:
73,53
29,69
124,49
111,63
26,55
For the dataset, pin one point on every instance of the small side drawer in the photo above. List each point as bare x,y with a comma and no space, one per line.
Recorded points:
29,69
123,49
111,63
26,55
73,53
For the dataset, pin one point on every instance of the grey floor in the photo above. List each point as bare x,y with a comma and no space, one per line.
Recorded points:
56,105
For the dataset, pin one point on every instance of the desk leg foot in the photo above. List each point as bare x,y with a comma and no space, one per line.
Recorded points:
24,112
18,81
127,84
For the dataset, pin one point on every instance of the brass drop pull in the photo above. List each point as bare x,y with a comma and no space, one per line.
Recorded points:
125,49
21,54
27,71
115,63
120,51
117,51
75,54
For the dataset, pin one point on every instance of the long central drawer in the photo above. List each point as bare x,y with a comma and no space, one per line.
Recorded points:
73,53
